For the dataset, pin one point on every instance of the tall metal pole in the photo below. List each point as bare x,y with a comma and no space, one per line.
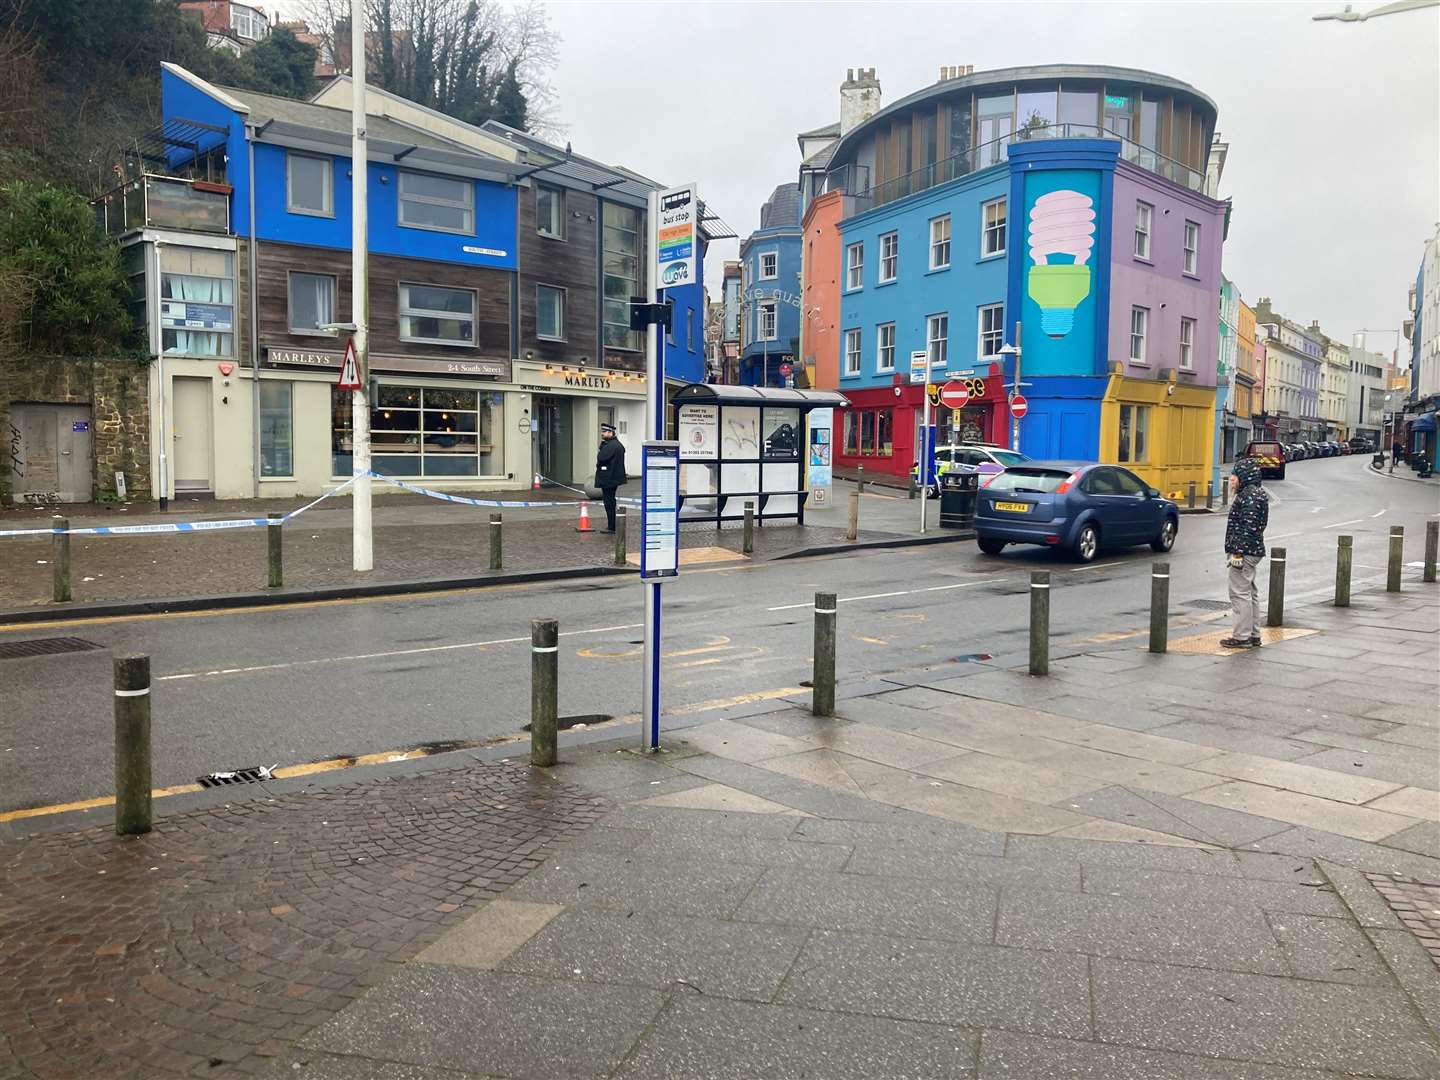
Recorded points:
1015,420
654,429
925,446
363,548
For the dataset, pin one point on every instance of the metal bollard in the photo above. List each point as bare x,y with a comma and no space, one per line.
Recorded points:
1159,607
60,560
497,539
620,523
1209,494
852,527
748,546
1040,622
1344,553
132,745
1397,558
1432,548
860,479
1275,610
1224,494
274,551
822,701
544,690
1190,496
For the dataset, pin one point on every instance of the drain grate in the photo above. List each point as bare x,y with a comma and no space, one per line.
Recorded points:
49,646
1208,605
255,774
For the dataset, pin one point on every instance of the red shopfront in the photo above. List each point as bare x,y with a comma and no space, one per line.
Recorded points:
880,428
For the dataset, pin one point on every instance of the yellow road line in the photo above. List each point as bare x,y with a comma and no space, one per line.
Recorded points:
91,804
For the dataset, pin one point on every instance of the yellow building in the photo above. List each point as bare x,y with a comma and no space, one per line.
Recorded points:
1243,401
1160,429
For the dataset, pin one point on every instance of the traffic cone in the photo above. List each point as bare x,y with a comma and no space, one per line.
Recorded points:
584,525
535,483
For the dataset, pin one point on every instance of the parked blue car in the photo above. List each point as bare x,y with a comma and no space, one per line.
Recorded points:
1075,505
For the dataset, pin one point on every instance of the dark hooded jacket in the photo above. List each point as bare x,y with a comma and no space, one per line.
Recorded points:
1249,512
610,464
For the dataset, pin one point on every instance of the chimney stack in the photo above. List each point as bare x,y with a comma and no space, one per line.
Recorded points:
859,98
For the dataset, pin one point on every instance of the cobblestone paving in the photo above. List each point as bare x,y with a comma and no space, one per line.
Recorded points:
206,947
1417,903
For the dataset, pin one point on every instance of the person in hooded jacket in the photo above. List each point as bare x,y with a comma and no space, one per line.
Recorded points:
1244,548
609,471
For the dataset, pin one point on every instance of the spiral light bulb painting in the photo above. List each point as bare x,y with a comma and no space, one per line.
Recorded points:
1062,233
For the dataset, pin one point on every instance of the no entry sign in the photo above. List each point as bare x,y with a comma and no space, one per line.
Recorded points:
1018,406
954,395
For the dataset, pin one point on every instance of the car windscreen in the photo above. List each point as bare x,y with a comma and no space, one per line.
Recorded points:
1033,481
1009,458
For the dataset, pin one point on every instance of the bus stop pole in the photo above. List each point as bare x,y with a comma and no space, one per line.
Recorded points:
654,429
926,450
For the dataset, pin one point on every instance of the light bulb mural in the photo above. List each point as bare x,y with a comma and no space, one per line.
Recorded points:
1062,235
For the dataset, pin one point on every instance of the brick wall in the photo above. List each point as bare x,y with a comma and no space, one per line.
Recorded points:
117,393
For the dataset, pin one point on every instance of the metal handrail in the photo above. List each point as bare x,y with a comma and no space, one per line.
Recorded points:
128,206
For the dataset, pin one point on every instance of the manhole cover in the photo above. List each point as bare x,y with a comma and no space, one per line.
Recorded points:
565,723
50,646
1209,605
254,774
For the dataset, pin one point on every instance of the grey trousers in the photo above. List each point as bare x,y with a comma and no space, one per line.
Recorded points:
1245,598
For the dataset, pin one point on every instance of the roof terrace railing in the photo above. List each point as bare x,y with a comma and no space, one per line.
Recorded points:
997,151
165,202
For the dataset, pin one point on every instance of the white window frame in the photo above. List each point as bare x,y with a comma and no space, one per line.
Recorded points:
996,230
290,303
1144,224
767,309
1187,344
1192,248
773,257
889,263
937,345
558,195
564,303
467,204
854,266
853,345
885,353
938,244
329,200
403,310
998,332
1143,335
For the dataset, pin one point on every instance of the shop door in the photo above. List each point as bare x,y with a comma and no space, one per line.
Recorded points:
49,453
193,442
556,439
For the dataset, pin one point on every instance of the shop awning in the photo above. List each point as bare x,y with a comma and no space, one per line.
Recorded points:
1423,422
712,394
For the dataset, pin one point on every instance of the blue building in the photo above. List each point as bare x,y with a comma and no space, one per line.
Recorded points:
770,290
500,268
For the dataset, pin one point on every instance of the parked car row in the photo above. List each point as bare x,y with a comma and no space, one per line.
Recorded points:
1274,456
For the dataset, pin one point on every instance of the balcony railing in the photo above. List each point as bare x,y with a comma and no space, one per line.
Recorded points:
165,202
998,150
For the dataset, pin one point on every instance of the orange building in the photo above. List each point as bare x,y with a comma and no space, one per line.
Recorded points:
820,273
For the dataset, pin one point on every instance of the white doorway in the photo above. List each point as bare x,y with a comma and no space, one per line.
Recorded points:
194,442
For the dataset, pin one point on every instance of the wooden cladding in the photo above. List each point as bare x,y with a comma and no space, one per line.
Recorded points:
571,263
387,272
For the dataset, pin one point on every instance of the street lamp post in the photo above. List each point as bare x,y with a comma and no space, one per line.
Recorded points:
1014,350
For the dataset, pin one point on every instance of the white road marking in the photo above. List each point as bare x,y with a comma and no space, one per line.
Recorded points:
885,595
383,655
1342,524
1377,514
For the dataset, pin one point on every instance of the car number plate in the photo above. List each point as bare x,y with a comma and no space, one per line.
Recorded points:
1014,508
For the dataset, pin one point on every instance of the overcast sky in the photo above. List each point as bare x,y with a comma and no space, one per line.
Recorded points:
1334,128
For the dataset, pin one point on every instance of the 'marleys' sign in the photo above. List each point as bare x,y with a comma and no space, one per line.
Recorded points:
676,243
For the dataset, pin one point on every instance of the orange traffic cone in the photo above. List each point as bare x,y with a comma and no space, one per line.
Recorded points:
584,525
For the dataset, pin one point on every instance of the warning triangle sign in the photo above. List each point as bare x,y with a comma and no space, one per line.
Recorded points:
350,370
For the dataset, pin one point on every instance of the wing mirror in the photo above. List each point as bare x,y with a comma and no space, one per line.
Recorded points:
1154,494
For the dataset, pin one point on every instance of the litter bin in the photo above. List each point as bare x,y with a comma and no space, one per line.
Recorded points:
957,499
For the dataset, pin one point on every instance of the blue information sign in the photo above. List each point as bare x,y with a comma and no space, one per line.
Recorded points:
927,455
659,510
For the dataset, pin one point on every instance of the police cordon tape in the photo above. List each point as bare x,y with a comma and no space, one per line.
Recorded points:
246,523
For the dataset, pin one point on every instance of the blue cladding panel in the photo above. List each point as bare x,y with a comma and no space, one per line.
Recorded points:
181,101
1064,418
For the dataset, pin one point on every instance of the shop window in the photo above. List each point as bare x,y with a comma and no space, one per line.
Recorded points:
437,315
309,184
992,228
867,433
885,347
940,242
197,302
425,431
1134,434
550,212
276,429
549,313
852,433
312,302
889,256
885,432
439,203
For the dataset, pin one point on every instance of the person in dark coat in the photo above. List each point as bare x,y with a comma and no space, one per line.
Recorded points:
1244,548
609,471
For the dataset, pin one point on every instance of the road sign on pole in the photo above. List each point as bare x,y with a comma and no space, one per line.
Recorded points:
919,366
349,370
954,395
1018,406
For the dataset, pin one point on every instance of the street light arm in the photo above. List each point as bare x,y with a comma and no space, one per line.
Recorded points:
1395,8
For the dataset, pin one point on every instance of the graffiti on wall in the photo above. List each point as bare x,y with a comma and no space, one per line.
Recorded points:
17,464
1062,235
1059,297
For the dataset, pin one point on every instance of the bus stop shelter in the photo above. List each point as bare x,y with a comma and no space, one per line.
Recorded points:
742,444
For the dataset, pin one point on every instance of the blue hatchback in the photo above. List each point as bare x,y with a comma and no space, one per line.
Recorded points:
1076,505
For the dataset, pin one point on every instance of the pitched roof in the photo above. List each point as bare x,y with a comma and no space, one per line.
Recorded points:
272,107
782,208
829,131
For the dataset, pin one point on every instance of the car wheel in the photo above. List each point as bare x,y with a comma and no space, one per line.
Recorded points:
1166,540
990,546
1282,475
1087,543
